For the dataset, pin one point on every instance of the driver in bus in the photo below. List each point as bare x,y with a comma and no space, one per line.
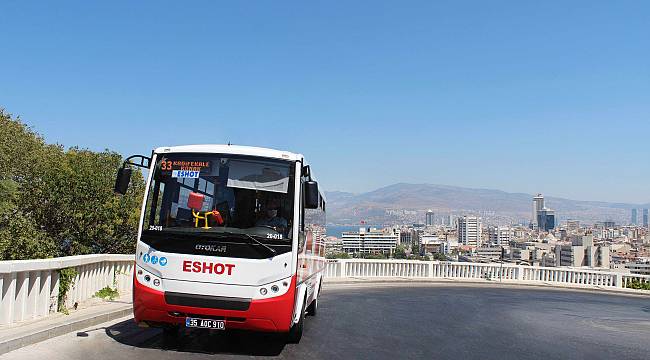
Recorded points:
270,216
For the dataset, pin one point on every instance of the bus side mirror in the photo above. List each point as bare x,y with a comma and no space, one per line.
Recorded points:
311,195
122,180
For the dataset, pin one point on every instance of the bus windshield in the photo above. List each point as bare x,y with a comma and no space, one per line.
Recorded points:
210,195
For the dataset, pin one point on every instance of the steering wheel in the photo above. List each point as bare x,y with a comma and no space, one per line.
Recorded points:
268,227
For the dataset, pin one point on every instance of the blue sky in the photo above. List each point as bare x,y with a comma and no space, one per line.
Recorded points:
522,96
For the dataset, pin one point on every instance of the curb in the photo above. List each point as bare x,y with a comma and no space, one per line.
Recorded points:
61,329
494,284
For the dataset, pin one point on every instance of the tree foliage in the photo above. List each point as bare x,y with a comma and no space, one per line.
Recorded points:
57,202
439,256
415,248
374,256
338,255
400,252
637,284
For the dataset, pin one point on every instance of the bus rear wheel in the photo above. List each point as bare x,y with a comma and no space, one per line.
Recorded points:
312,309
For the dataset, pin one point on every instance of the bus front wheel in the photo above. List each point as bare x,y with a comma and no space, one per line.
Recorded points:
295,333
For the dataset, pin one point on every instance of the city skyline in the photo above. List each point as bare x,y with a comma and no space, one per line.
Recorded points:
469,238
429,205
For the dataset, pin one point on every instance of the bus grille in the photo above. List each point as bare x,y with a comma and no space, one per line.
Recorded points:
207,301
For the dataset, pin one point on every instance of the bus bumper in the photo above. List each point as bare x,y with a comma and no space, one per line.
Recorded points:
271,315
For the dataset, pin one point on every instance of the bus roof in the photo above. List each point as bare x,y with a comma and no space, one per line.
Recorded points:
231,149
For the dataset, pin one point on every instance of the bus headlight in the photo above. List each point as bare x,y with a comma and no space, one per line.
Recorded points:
273,289
148,279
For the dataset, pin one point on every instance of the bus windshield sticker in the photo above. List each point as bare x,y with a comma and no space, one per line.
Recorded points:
185,174
256,175
185,168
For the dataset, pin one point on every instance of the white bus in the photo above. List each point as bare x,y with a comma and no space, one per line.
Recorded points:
230,237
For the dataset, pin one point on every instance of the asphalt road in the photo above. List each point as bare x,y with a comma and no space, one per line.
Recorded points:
432,321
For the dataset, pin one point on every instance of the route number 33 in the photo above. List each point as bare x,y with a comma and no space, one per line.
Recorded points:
165,165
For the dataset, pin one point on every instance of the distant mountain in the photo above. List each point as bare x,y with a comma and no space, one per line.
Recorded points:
384,205
338,196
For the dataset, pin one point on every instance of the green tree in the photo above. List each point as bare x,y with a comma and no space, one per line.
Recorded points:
415,248
439,256
375,256
21,158
20,239
400,252
55,202
94,219
338,255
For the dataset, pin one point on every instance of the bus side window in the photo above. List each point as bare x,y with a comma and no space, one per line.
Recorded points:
302,239
302,205
301,228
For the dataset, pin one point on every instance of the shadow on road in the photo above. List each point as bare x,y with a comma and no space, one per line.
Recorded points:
233,342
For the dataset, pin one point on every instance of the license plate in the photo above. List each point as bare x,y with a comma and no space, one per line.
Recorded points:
205,323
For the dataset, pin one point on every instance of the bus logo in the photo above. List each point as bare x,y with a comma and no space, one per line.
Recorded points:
207,267
185,174
213,248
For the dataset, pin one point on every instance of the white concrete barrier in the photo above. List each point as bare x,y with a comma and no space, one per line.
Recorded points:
414,269
30,288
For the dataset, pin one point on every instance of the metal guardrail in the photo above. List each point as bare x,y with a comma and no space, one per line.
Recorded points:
30,288
415,269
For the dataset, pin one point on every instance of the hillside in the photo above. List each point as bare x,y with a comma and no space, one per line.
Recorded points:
348,208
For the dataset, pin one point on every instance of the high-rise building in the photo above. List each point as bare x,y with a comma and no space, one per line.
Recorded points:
499,235
645,217
573,225
584,254
429,219
469,230
450,221
370,240
635,219
609,224
545,219
538,205
405,237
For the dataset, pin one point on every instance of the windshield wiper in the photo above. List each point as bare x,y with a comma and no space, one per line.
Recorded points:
222,234
268,248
